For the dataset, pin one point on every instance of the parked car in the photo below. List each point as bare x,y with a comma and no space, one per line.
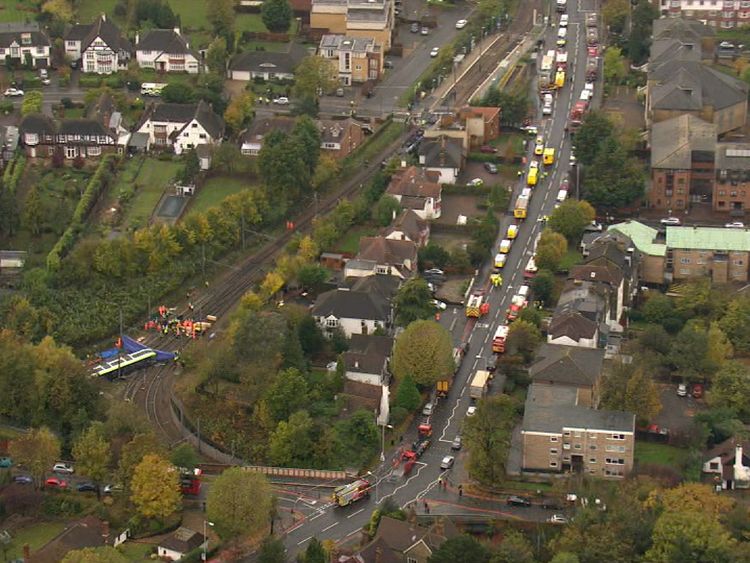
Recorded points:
674,221
6,462
112,489
439,305
55,483
735,225
475,183
87,488
434,52
491,168
558,519
471,411
425,31
434,272
13,92
460,24
487,149
697,391
281,100
387,63
682,390
447,462
514,500
61,467
414,28
23,479
427,410
456,443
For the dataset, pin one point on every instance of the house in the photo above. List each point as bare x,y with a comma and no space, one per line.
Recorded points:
368,19
570,366
80,534
354,312
406,541
367,358
264,65
383,286
443,155
181,126
726,15
340,137
651,248
22,43
682,162
381,255
612,281
354,59
251,140
559,435
42,137
482,124
100,46
165,50
419,190
580,318
728,464
179,543
718,253
409,226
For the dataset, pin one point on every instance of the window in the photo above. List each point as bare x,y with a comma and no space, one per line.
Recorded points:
566,433
381,270
186,134
332,323
713,465
31,138
592,436
553,438
592,447
576,446
70,152
577,434
592,460
202,136
617,437
411,560
738,262
194,125
94,151
684,260
70,43
553,464
553,451
615,461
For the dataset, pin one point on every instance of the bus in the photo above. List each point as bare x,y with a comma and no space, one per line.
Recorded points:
125,363
522,204
152,88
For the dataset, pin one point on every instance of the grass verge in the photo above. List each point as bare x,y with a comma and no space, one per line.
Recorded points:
36,536
213,192
660,454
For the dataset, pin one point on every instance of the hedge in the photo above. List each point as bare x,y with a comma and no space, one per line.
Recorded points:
13,174
98,183
484,189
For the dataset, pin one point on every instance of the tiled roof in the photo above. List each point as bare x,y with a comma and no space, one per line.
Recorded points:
690,85
264,61
347,304
415,181
674,140
387,251
185,113
182,540
573,325
103,28
10,32
164,41
368,353
571,365
410,224
441,152
37,123
260,127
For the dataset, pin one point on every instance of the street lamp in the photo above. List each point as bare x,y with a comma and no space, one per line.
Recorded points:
371,474
206,523
382,443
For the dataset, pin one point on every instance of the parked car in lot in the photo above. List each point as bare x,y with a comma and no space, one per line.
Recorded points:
23,479
491,168
61,467
55,483
475,183
414,28
112,489
674,221
87,488
447,462
735,225
439,305
460,24
424,31
514,500
13,92
281,100
434,272
6,462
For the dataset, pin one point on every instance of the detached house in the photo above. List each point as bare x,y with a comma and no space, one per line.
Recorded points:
165,50
22,42
419,190
265,65
381,255
251,141
340,137
409,226
444,155
100,46
181,126
42,137
367,359
354,312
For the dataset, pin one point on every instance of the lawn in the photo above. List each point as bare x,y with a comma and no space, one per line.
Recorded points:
17,11
349,243
36,535
193,13
250,22
149,183
660,454
88,10
215,190
134,551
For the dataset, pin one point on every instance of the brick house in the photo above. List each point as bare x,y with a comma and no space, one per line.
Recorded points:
381,255
100,46
482,124
42,137
409,226
251,140
417,189
731,191
339,137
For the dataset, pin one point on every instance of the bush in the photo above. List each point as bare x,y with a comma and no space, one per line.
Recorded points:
6,106
86,81
114,82
67,103
398,415
61,505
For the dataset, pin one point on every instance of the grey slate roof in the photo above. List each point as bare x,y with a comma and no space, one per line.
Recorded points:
83,127
37,123
570,365
346,304
663,50
264,61
674,140
572,324
164,41
441,152
102,27
733,156
368,353
681,28
185,113
10,32
262,126
182,540
387,251
379,284
410,224
690,85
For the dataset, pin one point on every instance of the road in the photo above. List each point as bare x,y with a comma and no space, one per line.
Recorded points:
329,522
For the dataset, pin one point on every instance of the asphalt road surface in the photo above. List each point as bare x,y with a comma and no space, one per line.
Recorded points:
328,522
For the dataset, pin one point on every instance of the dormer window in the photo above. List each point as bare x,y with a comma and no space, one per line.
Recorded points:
26,39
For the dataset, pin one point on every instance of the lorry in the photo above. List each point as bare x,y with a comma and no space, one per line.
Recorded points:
423,440
405,464
561,5
592,36
576,114
522,204
351,493
479,383
443,386
545,70
476,307
498,341
561,60
591,18
592,69
517,304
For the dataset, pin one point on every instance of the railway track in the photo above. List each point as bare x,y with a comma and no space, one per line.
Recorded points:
151,388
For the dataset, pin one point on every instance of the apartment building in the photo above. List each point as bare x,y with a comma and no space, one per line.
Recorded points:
719,253
355,59
724,14
373,19
731,191
24,42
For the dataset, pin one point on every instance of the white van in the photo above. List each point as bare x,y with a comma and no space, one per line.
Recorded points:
547,107
564,20
562,195
505,246
562,36
152,88
523,291
585,95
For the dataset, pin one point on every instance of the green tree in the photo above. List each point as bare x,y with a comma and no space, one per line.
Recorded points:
423,351
523,338
291,443
283,167
240,502
413,302
515,106
287,394
315,552
310,336
543,286
106,554
325,172
190,169
515,548
615,66
221,15
433,256
615,13
407,395
690,536
59,9
185,456
155,489
657,308
32,103
614,180
642,396
551,250
731,389
92,453
239,112
226,157
689,352
37,451
314,74
276,15
460,549
639,41
736,324
272,550
133,453
178,93
386,210
487,436
719,347
33,211
307,134
594,130
571,218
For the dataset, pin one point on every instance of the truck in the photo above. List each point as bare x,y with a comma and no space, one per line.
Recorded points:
405,464
531,268
479,384
561,5
545,70
190,481
498,341
592,36
443,386
517,304
423,440
476,307
591,19
577,113
561,60
522,204
351,493
560,78
592,68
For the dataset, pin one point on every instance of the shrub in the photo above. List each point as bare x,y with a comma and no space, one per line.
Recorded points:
67,103
6,106
78,162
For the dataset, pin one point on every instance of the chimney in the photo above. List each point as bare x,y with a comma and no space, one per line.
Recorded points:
137,38
105,531
104,17
738,457
592,275
356,364
26,552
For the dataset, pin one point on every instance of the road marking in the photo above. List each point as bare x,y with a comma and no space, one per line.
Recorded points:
318,515
353,514
352,533
329,527
304,540
474,366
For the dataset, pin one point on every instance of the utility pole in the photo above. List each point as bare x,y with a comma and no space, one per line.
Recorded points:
119,348
242,227
203,261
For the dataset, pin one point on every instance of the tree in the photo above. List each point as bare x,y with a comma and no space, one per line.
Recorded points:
543,286
32,103
156,488
594,130
460,549
226,157
133,453
178,93
515,106
283,167
33,211
314,74
657,308
551,250
287,394
272,550
642,396
736,324
325,172
276,15
185,456
92,453
307,134
690,536
523,339
487,435
216,56
60,9
423,351
689,352
615,13
719,347
433,256
315,552
639,41
615,66
239,112
386,210
571,218
239,502
407,395
614,179
221,15
37,450
413,302
312,276
310,337
291,443
731,389
106,554
190,169
515,548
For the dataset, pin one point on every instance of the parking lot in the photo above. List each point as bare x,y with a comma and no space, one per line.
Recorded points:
677,412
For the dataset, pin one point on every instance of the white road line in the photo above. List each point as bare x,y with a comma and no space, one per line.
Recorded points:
329,527
352,533
318,515
304,540
469,339
353,514
474,366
